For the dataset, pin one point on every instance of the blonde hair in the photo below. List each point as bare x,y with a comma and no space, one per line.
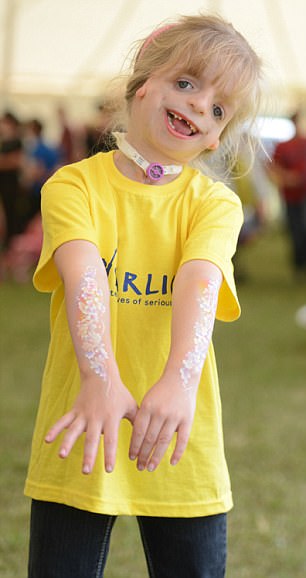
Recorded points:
190,45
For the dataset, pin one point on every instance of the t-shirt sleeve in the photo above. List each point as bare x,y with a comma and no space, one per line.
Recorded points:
213,236
66,215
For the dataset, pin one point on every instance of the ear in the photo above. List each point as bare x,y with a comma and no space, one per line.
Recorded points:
214,146
141,91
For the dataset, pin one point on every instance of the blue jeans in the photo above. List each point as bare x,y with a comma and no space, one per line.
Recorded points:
70,543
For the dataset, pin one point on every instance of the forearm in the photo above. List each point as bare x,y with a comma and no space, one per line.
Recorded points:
103,400
195,296
87,305
165,409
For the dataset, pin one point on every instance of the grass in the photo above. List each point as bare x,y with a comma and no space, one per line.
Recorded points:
263,388
262,367
23,342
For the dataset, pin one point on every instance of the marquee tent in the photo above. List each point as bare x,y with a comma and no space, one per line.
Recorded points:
70,48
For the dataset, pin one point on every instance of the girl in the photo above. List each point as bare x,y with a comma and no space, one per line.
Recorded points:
137,254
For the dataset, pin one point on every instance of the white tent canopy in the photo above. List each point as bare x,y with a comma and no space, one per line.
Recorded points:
70,48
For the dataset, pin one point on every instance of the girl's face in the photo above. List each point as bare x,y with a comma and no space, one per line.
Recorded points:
176,116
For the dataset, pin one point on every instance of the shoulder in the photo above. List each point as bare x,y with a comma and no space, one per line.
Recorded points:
207,190
82,171
213,206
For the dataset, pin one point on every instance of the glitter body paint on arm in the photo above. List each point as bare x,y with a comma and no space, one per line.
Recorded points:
192,363
90,324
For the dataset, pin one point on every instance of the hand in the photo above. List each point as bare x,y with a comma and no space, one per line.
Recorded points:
167,408
98,409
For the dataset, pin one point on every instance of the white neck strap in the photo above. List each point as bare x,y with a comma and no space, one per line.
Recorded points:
154,171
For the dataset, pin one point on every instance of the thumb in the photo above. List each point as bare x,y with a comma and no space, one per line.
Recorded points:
132,412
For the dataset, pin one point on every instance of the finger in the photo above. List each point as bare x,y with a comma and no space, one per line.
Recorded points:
149,442
141,425
59,426
73,433
110,446
91,446
182,438
132,412
162,444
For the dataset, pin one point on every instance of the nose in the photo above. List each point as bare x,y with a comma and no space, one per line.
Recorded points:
201,101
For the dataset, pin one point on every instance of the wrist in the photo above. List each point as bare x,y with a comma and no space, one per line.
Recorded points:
185,377
105,367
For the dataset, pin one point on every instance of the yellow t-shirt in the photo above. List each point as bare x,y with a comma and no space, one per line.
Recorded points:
143,233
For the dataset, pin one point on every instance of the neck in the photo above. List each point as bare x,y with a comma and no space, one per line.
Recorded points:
144,171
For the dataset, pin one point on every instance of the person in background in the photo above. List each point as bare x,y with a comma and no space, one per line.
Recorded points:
66,139
41,161
22,255
11,161
251,186
288,170
98,135
137,254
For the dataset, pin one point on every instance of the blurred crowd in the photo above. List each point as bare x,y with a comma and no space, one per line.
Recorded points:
27,159
279,168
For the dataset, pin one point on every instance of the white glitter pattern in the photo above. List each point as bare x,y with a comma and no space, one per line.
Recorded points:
90,324
193,362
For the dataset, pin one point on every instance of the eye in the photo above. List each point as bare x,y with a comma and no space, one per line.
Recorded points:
218,111
183,84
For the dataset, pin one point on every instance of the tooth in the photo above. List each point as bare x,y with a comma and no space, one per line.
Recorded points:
170,122
172,115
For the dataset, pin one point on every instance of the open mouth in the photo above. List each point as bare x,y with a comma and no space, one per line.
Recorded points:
180,124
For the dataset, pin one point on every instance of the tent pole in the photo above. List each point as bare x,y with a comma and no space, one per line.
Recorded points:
8,47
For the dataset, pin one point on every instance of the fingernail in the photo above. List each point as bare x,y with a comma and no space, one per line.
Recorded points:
63,453
132,457
173,462
86,469
151,468
109,468
140,467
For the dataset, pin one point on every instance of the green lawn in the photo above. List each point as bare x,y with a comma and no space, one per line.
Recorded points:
262,367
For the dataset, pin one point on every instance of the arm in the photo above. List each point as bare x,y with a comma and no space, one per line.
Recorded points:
169,406
103,399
